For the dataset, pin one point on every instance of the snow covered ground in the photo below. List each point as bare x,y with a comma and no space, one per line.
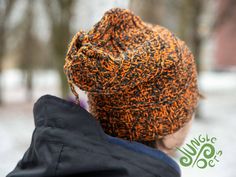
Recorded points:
218,119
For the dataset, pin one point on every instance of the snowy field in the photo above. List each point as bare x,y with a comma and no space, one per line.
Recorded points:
218,119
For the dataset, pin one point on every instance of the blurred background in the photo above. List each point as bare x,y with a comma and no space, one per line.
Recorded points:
34,36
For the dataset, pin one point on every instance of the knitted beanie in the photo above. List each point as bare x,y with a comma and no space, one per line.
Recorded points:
141,79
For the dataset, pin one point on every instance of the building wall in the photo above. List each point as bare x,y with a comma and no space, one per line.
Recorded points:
226,36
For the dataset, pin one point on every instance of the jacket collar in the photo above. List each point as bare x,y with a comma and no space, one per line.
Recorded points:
52,111
55,112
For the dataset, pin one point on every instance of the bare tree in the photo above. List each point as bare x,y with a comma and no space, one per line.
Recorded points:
189,22
4,15
60,13
190,12
27,48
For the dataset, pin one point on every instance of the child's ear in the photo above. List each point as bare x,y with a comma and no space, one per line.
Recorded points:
169,143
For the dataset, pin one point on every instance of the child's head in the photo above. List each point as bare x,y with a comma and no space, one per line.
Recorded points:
141,79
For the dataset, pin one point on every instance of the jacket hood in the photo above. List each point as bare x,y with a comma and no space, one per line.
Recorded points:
68,141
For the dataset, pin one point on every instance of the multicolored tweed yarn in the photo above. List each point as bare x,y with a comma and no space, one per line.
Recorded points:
141,79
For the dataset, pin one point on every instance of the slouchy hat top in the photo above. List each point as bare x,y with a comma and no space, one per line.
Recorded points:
140,78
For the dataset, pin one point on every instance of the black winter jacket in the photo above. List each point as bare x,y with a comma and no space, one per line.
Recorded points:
69,142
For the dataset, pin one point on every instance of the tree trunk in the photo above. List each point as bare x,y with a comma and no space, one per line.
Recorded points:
64,83
29,84
27,50
2,49
189,31
60,35
4,14
189,26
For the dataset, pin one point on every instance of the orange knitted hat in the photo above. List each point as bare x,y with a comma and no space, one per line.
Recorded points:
141,79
